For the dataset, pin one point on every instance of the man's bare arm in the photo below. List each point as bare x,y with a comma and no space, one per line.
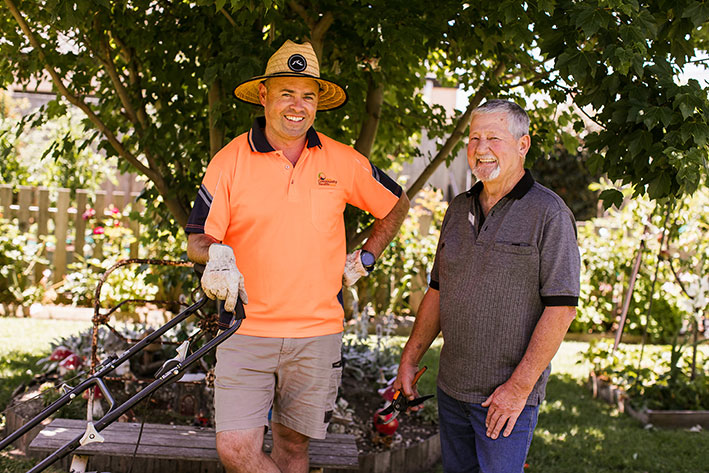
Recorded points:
427,326
198,247
384,230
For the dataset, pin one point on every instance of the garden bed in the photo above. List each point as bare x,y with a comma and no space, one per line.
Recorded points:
671,419
414,447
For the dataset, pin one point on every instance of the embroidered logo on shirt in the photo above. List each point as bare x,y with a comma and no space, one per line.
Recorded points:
324,181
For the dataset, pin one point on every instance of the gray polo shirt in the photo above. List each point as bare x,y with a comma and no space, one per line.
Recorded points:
496,274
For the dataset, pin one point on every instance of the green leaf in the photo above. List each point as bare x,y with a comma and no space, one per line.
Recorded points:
570,142
686,109
636,145
666,115
660,186
700,132
595,163
611,197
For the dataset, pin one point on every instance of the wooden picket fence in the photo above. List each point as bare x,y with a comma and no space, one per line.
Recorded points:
31,205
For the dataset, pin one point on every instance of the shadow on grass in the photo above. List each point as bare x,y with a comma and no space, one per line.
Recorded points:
577,433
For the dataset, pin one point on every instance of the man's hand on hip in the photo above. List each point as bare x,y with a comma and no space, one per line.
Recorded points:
354,268
222,279
504,405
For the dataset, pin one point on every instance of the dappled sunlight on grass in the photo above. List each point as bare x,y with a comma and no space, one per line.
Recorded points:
577,433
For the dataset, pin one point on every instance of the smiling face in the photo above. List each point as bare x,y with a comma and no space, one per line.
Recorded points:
494,154
290,104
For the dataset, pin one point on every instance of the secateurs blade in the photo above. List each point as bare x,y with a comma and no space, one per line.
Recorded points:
400,403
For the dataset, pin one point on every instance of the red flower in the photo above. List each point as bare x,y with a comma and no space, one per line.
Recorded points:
71,363
60,353
98,230
88,214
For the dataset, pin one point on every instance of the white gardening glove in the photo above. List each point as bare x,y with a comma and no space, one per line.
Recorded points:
222,279
353,268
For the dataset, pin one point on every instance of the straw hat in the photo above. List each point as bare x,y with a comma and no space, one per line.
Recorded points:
294,60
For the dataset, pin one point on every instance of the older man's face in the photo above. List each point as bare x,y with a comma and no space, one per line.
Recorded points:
493,152
290,104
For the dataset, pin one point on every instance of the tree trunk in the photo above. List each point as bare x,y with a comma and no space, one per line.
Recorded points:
216,129
368,132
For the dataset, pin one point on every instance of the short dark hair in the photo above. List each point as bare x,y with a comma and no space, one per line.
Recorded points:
517,118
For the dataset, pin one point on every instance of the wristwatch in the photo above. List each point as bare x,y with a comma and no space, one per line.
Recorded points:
367,260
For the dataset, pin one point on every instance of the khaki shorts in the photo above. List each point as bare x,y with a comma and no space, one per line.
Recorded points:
298,377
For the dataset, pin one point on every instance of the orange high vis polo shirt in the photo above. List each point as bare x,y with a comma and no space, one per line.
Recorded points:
285,224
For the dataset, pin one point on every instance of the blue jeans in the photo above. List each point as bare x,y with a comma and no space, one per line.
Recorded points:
466,448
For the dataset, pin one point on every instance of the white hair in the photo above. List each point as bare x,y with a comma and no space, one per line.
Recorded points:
517,118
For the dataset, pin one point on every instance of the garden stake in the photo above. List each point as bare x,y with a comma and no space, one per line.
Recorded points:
654,280
629,293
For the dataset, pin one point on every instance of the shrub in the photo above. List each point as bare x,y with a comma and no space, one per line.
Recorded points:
609,246
18,259
661,380
400,276
147,282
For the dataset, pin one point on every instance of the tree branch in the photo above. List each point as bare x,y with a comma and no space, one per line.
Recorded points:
317,34
175,208
317,28
443,153
456,135
227,16
139,116
133,75
121,90
300,10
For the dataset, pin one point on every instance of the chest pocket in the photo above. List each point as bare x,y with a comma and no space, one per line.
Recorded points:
327,206
512,248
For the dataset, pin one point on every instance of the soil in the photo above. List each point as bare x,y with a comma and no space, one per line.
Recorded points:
357,419
356,407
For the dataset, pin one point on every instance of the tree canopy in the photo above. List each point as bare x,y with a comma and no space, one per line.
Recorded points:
154,79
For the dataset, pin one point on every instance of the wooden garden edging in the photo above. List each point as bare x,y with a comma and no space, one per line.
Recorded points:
33,205
174,448
669,419
417,458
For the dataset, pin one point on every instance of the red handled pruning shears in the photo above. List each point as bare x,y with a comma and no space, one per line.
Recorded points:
400,404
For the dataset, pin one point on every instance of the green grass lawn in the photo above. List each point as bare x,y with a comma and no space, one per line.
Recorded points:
576,433
22,343
579,434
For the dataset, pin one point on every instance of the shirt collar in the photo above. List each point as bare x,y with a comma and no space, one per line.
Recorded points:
518,191
259,143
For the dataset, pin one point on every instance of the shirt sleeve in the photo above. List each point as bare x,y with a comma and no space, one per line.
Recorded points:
211,210
435,277
560,262
372,190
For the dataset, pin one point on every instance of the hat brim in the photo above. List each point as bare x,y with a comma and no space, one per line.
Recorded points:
332,96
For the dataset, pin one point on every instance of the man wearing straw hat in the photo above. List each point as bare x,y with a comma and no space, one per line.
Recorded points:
268,222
